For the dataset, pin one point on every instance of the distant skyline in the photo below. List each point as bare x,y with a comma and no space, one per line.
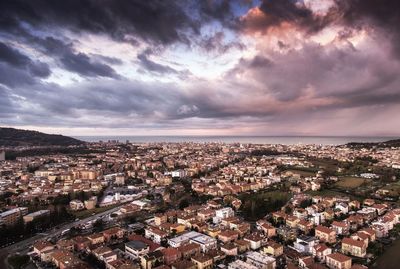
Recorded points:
212,67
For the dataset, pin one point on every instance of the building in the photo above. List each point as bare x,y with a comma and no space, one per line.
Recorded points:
273,248
320,251
353,247
206,242
223,213
338,261
238,264
203,261
325,234
91,203
261,261
32,216
76,205
12,216
304,244
2,155
136,248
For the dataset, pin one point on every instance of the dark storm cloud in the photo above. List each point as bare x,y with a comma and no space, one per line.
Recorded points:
12,56
71,60
218,43
152,66
294,12
379,13
80,63
17,68
154,20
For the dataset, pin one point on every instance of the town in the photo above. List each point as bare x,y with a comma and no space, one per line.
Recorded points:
123,205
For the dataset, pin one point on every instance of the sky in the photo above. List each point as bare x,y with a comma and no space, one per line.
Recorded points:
205,67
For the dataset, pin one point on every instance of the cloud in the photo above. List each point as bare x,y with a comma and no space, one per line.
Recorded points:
152,66
81,63
155,21
20,67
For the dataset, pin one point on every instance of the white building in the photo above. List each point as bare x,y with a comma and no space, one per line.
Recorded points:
2,155
136,248
206,242
238,264
223,213
260,260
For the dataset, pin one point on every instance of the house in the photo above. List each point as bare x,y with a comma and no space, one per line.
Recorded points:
321,251
42,246
183,265
369,232
160,219
354,247
292,221
260,260
273,248
113,233
304,244
228,236
136,248
76,205
105,254
64,259
304,226
96,238
223,213
122,264
171,255
325,234
189,250
338,261
230,249
155,234
267,228
151,259
306,262
343,208
203,261
66,244
255,240
242,245
239,264
81,243
341,227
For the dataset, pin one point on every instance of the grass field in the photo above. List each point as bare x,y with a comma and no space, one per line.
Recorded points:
331,193
257,205
302,173
393,188
350,182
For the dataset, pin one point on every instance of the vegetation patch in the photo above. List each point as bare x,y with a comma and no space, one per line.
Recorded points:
18,261
350,182
257,205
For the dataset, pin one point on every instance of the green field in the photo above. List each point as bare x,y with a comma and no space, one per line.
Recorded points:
301,172
350,182
394,189
257,205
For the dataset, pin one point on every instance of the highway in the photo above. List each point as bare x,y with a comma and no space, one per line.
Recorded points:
24,245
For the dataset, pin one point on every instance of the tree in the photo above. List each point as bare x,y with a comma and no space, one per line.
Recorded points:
183,203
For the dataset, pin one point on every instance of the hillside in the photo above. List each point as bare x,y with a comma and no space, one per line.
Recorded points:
386,144
10,137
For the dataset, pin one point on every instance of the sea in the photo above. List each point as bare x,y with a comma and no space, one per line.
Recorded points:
284,140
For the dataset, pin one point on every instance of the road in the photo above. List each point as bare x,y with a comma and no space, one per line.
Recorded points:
23,245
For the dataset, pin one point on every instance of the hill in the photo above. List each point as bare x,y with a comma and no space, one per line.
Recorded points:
386,144
10,137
